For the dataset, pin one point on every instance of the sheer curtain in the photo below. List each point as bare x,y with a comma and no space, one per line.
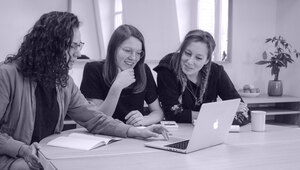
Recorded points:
104,16
213,16
108,16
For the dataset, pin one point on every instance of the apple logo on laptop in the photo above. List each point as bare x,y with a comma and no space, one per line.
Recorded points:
216,124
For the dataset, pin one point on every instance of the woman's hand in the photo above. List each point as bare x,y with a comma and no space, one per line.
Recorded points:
243,108
125,78
29,154
135,118
148,132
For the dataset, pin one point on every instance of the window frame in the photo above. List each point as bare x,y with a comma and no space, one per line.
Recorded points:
217,55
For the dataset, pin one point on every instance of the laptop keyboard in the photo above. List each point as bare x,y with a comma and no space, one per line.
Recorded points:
179,145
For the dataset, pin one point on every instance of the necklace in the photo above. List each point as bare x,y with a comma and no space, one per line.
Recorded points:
194,93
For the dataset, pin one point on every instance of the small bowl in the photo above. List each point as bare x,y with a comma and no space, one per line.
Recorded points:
249,94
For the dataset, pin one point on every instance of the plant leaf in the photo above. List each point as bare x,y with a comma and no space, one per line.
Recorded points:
262,62
282,43
290,60
268,40
279,57
265,56
281,63
286,45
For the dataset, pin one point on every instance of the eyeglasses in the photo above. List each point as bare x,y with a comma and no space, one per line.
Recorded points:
77,46
130,51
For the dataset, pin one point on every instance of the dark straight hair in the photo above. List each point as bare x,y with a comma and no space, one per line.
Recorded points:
110,69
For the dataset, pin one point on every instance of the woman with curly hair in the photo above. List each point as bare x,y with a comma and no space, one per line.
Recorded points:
120,84
36,93
188,78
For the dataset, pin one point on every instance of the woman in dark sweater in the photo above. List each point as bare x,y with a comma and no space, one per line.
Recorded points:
120,84
188,78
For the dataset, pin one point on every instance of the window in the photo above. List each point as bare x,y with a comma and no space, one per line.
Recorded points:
213,17
118,13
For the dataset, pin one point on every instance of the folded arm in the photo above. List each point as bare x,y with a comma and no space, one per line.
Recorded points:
136,118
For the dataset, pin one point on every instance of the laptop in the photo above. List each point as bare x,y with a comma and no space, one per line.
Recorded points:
211,128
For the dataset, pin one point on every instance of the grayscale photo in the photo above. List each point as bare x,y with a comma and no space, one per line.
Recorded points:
149,84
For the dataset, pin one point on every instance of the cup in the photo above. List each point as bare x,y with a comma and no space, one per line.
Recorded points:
258,120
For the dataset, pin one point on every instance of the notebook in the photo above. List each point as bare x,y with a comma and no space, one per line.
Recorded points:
81,141
211,128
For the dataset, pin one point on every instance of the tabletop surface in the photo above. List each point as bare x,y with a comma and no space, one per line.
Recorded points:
264,98
276,148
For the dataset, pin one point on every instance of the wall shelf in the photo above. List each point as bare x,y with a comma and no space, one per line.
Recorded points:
285,109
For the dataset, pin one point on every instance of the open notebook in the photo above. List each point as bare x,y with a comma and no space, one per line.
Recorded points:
81,141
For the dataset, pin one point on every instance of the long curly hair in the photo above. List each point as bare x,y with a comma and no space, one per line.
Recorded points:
42,55
202,79
110,70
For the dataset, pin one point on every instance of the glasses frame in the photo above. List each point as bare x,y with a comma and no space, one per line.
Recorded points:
130,52
77,46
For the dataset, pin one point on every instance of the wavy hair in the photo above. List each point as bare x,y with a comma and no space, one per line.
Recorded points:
110,70
202,79
42,55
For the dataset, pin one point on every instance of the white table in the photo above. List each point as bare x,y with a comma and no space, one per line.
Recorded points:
276,148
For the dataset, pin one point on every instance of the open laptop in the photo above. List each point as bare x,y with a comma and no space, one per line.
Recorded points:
211,128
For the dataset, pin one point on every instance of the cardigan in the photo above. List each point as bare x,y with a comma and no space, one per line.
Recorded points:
18,109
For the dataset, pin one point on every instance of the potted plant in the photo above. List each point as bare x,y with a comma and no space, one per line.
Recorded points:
280,56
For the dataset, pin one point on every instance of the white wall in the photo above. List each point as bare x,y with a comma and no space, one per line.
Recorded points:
289,27
157,20
86,11
18,16
253,21
89,34
187,20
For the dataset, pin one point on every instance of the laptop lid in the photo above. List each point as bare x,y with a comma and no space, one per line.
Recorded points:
211,127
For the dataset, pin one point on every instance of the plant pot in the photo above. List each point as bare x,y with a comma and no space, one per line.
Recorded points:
275,88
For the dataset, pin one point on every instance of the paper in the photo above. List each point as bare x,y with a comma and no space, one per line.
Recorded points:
80,141
234,128
169,124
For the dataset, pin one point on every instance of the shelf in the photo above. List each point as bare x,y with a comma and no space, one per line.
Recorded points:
283,109
281,112
276,111
264,99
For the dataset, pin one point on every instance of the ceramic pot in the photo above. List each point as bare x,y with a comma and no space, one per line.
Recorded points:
275,88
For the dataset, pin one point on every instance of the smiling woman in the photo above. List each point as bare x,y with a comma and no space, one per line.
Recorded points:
188,78
127,57
120,84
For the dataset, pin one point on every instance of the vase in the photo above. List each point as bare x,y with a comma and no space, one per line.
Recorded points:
275,88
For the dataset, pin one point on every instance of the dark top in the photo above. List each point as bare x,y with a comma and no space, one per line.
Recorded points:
47,112
93,86
169,90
